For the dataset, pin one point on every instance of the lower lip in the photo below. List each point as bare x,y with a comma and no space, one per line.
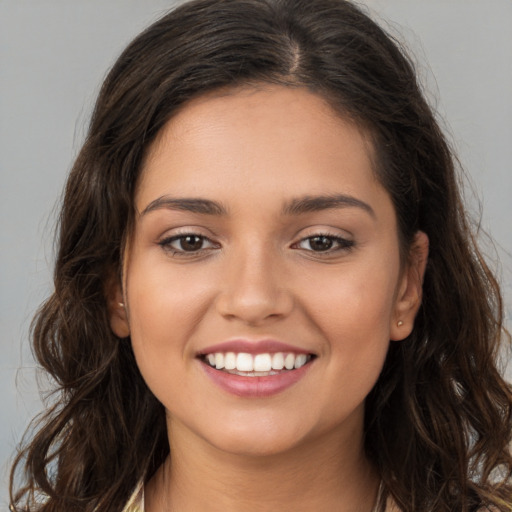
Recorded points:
255,386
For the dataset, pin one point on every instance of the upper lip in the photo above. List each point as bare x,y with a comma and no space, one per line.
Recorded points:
253,347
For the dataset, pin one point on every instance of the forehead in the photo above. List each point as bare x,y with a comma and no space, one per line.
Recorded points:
257,138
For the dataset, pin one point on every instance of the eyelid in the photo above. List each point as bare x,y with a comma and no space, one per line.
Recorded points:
165,243
341,243
186,230
344,243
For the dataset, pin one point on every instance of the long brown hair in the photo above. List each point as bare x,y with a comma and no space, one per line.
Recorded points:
439,420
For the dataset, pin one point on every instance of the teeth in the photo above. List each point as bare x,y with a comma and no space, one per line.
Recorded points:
258,363
300,360
278,361
289,361
262,363
244,362
219,361
230,361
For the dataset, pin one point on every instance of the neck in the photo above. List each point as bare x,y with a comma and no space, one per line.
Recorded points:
329,474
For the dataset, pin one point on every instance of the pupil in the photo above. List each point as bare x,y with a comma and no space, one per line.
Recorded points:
321,243
191,243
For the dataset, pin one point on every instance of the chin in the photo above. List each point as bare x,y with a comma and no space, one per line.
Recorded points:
257,448
263,439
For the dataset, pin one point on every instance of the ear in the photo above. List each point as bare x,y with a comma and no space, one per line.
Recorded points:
117,309
409,293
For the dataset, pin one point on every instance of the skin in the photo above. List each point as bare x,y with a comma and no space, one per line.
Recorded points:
255,276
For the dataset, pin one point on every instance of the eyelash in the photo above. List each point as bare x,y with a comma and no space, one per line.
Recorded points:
166,244
343,244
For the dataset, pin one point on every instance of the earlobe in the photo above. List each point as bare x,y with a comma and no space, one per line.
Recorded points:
117,311
409,294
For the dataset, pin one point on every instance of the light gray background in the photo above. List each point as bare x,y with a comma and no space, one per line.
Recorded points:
53,56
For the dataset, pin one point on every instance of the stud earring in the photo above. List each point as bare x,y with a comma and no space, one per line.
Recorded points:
121,304
399,323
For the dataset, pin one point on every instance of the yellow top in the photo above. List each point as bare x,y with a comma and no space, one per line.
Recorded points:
136,502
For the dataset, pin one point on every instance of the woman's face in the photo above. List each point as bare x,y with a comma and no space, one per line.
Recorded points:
263,241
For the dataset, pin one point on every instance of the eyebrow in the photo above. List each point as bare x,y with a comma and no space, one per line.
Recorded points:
297,206
309,204
194,205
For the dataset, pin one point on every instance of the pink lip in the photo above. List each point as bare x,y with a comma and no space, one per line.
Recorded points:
253,347
255,386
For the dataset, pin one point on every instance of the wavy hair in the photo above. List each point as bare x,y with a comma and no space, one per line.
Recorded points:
438,423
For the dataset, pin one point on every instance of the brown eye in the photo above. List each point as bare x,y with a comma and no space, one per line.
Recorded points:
320,243
188,243
191,243
324,243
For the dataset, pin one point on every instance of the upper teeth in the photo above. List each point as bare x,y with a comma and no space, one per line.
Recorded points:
244,362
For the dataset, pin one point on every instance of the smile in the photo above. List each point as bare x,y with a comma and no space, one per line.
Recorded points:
255,369
256,365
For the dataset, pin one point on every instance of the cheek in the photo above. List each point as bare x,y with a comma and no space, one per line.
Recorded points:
360,299
353,313
168,307
164,309
164,300
160,327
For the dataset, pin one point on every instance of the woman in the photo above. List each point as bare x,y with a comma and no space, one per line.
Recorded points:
267,295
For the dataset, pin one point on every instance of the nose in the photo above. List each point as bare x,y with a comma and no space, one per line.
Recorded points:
255,289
